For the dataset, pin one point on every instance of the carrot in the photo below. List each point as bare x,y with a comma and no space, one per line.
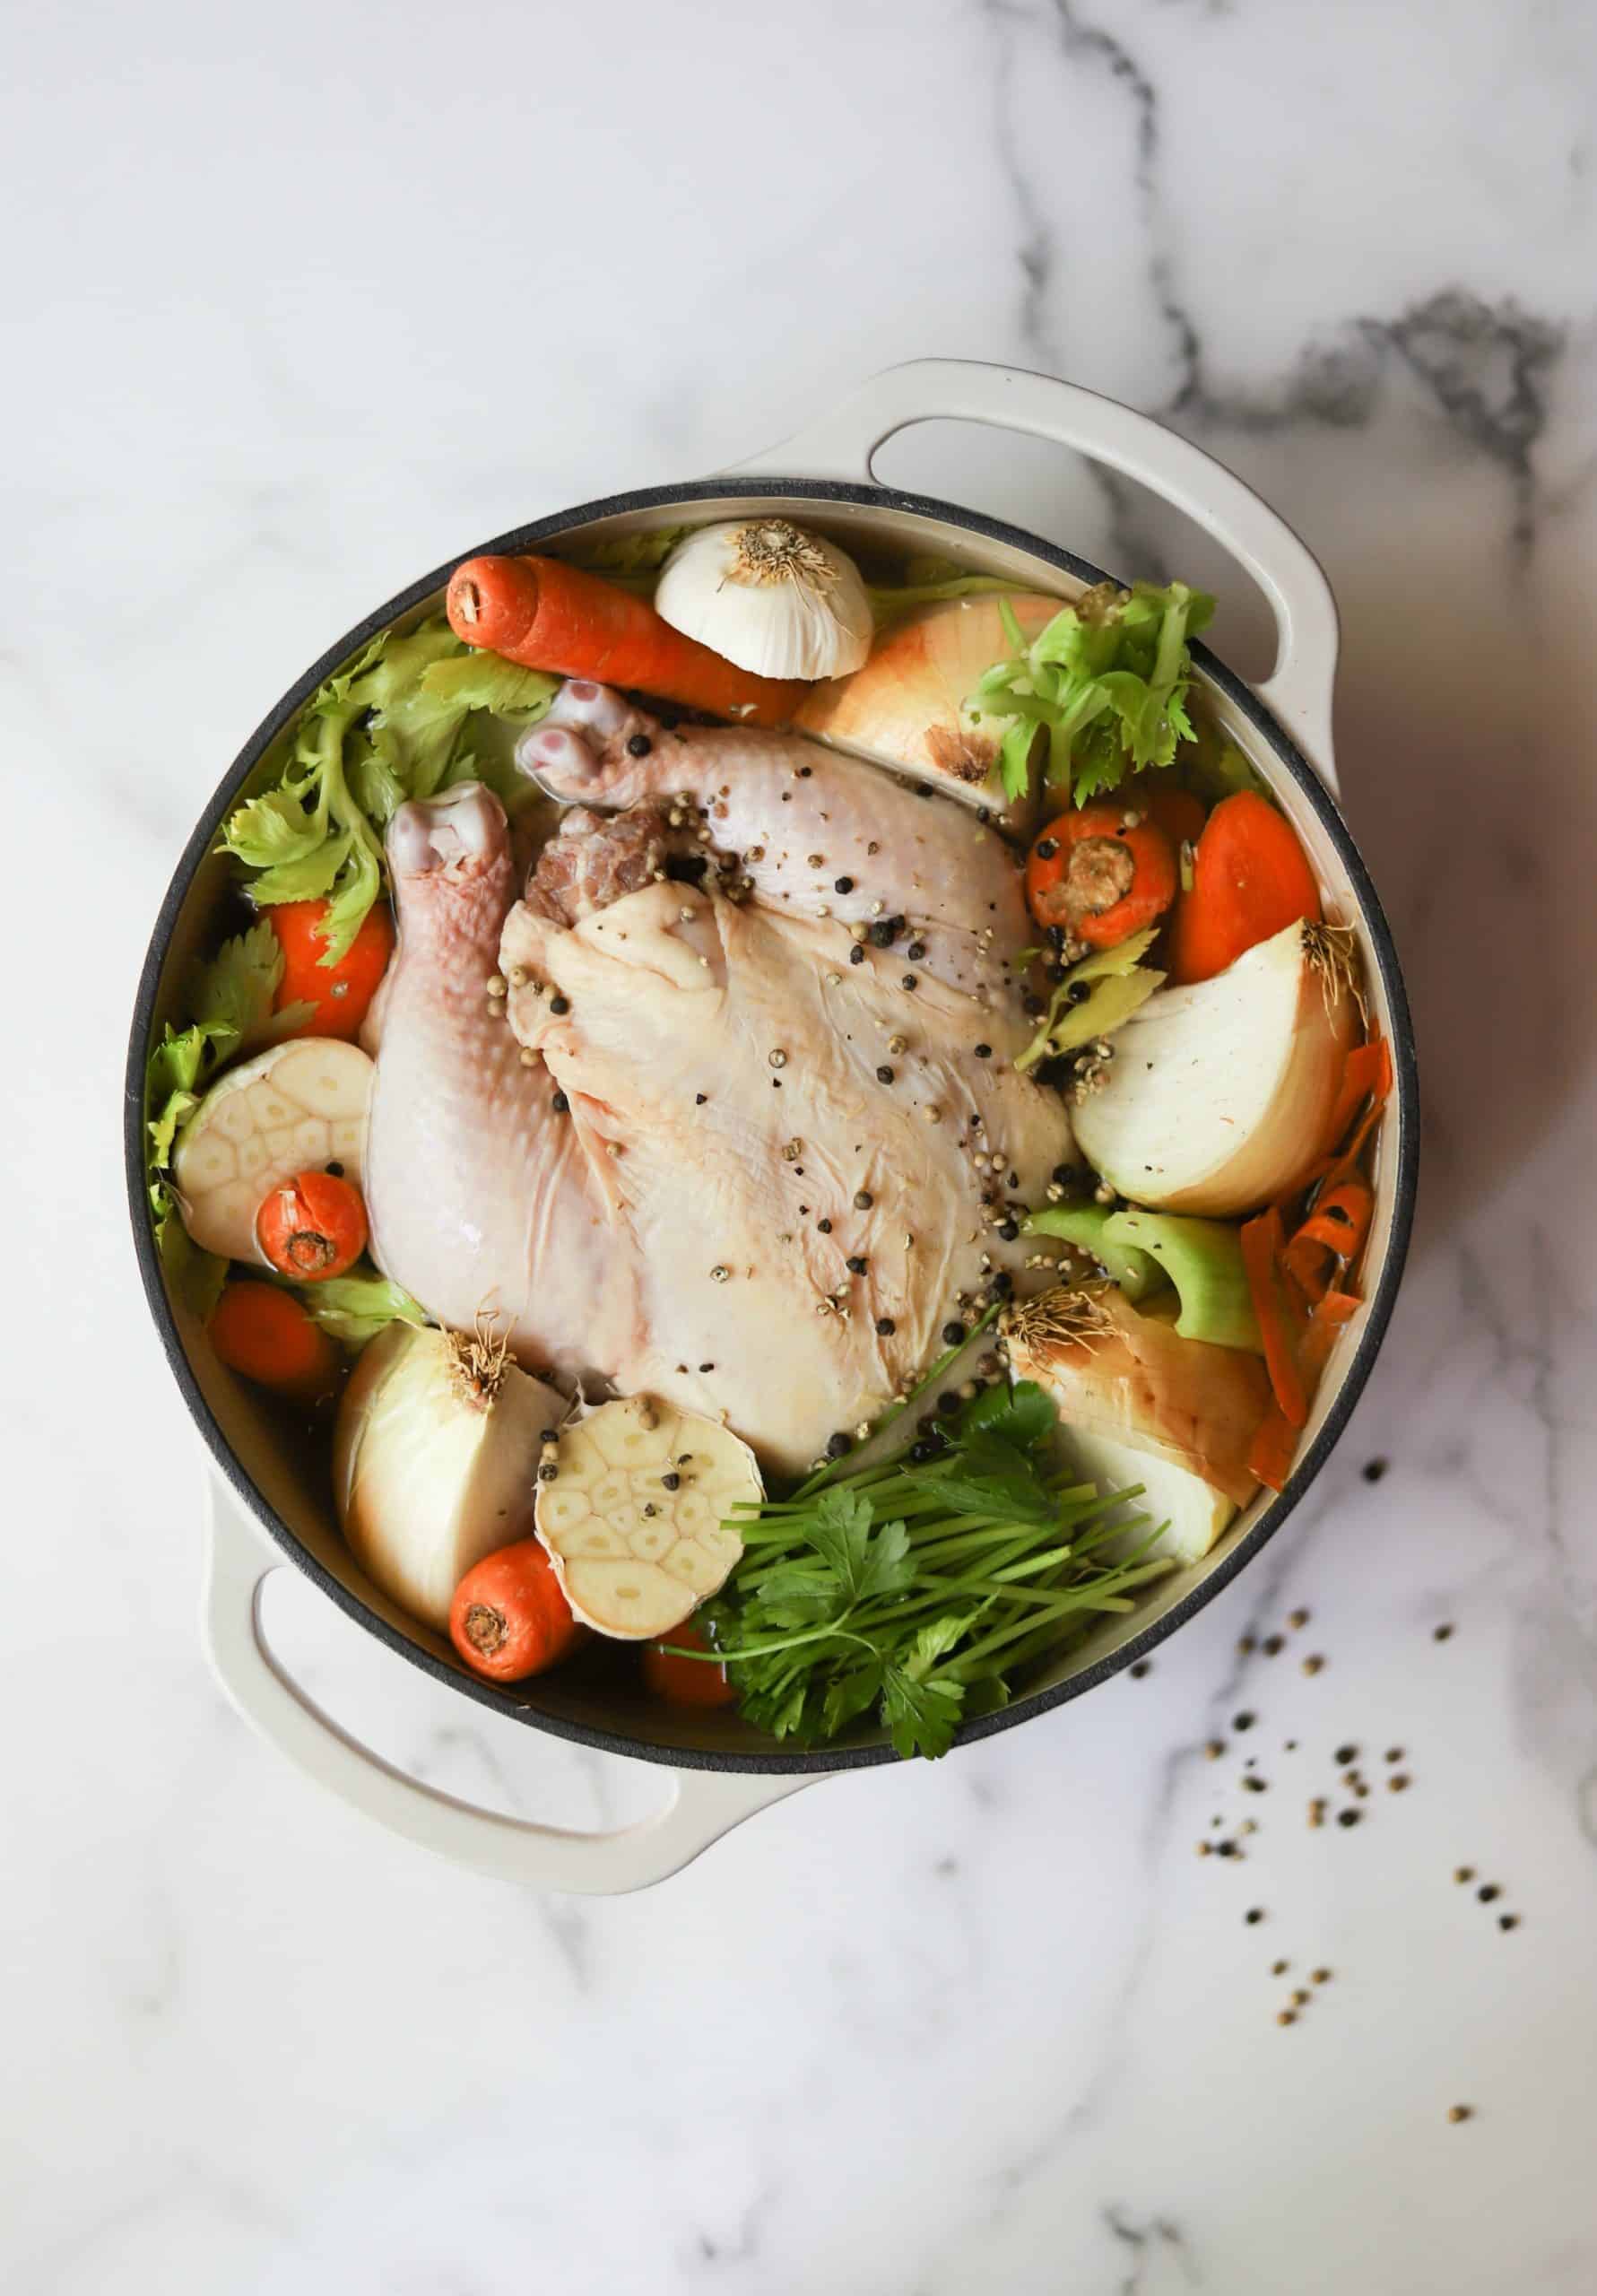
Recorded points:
1330,1237
548,616
1282,1315
1275,1439
686,1682
340,994
266,1335
509,1617
1251,879
312,1227
1098,876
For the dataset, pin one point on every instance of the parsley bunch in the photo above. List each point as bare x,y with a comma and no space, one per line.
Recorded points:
921,1590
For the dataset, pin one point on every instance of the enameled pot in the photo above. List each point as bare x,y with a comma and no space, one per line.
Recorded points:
271,1500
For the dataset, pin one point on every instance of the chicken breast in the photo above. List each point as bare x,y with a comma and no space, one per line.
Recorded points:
480,1200
805,1148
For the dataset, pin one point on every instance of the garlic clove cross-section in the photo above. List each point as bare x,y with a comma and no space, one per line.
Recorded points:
295,1109
637,1516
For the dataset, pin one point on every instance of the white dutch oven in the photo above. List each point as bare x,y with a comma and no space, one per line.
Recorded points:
270,1495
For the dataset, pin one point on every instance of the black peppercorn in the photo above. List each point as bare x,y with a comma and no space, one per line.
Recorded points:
699,1099
916,952
672,1480
548,1473
856,955
885,1326
843,884
863,1199
559,1104
825,1227
984,1052
884,1074
1078,993
1046,847
1063,1174
559,1004
837,1446
638,745
952,1335
882,932
1347,1817
1030,1001
919,1453
1001,1283
856,1264
1009,1230
909,980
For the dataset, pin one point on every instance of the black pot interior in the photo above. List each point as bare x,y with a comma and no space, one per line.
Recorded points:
277,1462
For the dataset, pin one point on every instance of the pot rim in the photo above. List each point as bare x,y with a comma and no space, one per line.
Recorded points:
805,1761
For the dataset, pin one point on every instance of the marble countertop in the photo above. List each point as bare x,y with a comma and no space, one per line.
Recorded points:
309,301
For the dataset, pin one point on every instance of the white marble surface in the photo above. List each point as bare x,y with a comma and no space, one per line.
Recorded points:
298,302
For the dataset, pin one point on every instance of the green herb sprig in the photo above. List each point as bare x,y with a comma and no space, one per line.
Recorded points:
922,1588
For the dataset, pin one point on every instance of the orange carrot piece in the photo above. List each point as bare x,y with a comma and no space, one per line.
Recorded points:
1282,1318
510,1618
1079,859
1251,879
557,618
312,1227
266,1335
339,995
1332,1236
686,1682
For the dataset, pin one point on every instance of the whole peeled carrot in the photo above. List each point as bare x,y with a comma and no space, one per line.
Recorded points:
549,616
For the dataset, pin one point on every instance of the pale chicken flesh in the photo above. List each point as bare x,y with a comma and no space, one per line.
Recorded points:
481,1202
743,1131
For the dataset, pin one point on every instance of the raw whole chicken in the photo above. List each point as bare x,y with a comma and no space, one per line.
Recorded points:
751,1137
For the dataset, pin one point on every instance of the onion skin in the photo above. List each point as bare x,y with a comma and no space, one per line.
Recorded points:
1130,1376
906,709
427,1480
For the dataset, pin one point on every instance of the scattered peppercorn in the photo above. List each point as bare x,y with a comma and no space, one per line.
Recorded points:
1215,1748
1142,1666
1243,1721
884,1074
699,1099
863,1199
559,1103
919,1453
909,980
984,1052
856,1264
837,1447
1320,1977
1348,1817
843,884
952,1335
638,745
1245,1647
1225,1850
915,950
1279,1969
1255,1785
672,1480
1488,1891
560,1005
1397,1784
1508,1921
885,1326
1286,2017
1313,1664
1373,1469
1440,1633
1346,1755
1255,1913
1460,2112
547,1472
1274,1643
1009,1230
1297,1620
1046,847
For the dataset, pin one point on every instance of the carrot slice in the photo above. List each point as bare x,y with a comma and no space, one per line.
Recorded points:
1251,879
551,617
1283,1316
1331,1236
1100,876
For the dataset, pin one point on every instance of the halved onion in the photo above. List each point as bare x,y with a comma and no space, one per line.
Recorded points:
637,1518
906,709
1221,1096
1138,1404
435,1460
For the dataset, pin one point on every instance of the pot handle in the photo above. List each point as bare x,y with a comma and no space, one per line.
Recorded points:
703,1805
842,443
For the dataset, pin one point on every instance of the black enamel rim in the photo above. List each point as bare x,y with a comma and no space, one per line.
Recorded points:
1405,1111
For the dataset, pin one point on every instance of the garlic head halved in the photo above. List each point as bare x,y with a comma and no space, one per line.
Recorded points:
775,600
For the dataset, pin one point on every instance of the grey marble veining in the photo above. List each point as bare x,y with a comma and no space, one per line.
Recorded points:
304,307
